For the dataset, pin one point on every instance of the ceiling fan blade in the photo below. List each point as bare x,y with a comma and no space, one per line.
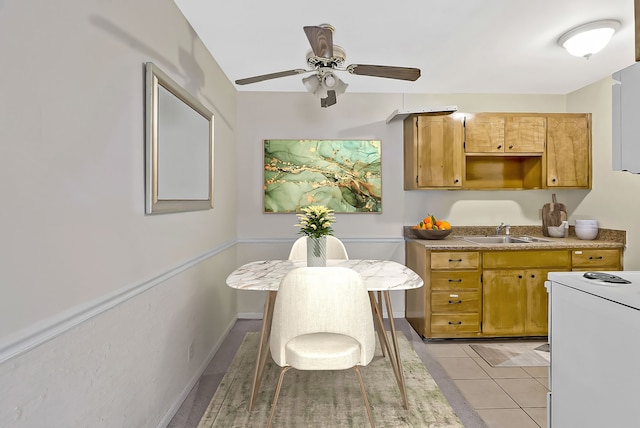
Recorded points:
255,79
329,100
390,72
321,40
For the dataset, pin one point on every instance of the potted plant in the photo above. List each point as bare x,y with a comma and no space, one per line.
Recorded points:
315,221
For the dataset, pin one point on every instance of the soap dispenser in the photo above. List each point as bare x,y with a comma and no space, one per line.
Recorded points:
565,224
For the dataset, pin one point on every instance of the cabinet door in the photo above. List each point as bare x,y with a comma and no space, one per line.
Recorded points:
525,134
504,299
440,152
569,151
537,308
484,133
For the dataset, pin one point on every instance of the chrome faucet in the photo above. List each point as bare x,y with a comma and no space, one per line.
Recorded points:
502,227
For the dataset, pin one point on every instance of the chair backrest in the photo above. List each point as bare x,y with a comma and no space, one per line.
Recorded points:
322,300
335,249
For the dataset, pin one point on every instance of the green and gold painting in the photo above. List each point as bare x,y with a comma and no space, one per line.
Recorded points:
343,175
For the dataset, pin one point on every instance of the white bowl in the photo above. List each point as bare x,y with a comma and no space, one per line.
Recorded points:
586,233
556,231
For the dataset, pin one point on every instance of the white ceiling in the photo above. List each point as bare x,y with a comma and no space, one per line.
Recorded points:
461,46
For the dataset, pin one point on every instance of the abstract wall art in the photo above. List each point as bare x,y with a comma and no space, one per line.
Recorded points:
343,175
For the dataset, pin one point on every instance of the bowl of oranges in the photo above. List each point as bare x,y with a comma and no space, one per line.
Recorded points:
431,227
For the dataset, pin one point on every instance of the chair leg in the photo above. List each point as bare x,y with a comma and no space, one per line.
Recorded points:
364,396
276,394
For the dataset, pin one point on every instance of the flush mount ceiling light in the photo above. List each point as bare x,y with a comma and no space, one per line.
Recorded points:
590,38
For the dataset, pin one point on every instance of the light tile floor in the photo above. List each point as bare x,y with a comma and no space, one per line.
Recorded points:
504,397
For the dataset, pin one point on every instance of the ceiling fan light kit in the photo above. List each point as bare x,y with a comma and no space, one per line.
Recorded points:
324,58
588,39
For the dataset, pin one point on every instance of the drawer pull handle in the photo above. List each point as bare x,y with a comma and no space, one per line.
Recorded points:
455,323
455,302
595,258
455,260
455,280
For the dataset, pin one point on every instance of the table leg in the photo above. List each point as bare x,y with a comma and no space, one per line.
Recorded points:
394,354
396,350
263,348
378,323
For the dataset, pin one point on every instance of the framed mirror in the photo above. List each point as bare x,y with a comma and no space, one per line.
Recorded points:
179,147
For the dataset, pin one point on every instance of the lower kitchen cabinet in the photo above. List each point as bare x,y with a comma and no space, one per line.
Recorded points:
468,294
514,296
515,302
504,296
596,259
450,302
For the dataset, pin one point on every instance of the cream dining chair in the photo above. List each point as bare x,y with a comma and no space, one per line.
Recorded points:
335,249
322,321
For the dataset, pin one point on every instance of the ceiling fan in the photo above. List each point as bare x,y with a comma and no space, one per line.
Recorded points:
324,58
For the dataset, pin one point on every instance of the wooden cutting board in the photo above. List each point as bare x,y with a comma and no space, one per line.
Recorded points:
553,214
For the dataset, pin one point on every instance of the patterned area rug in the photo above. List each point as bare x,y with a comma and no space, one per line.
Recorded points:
526,354
329,399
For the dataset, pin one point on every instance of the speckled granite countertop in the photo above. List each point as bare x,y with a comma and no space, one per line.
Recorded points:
607,238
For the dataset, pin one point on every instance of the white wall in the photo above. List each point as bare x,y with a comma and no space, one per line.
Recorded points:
100,302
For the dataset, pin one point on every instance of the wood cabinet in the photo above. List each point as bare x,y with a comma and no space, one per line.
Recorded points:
488,151
514,297
455,291
596,259
504,133
569,151
490,293
449,303
433,152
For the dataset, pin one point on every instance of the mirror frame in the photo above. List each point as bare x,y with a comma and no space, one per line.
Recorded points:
156,78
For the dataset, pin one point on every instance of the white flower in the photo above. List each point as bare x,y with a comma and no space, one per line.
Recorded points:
316,221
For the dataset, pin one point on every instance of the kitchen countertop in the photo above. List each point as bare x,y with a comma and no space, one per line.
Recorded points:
607,238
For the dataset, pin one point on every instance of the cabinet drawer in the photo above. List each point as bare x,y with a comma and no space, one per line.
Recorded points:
595,259
527,259
455,301
454,280
455,323
455,260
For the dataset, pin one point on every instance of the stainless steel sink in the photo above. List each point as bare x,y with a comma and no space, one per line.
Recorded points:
531,239
501,239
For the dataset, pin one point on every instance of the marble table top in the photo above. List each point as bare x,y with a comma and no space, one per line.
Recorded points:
378,275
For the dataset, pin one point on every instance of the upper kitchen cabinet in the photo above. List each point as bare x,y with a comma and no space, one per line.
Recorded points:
433,152
484,133
626,126
497,151
504,133
569,151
